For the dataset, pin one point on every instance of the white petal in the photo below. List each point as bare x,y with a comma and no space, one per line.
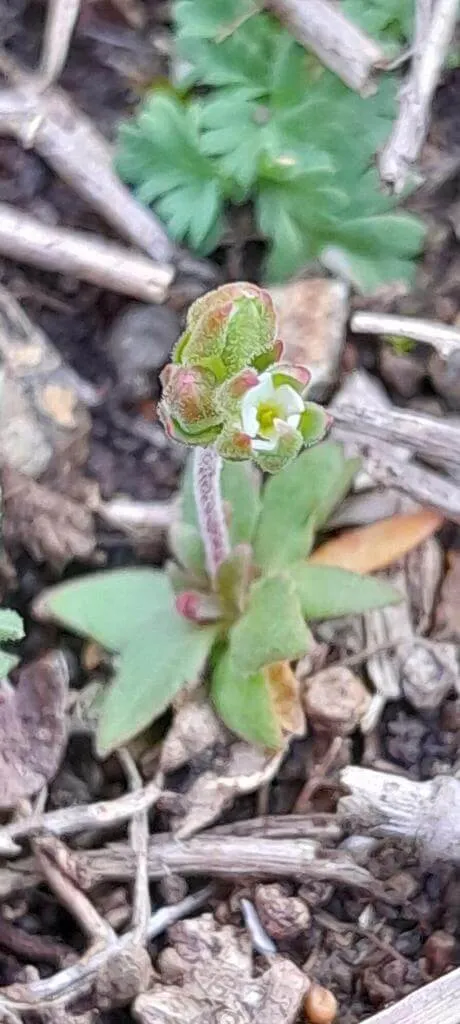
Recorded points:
294,420
289,399
249,419
260,445
262,392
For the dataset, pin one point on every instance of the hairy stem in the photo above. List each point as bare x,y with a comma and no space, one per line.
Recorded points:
207,466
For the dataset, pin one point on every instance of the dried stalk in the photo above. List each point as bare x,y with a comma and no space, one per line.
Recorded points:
61,18
437,1003
431,438
85,256
435,25
390,805
74,981
424,486
323,827
79,154
340,45
139,838
225,857
142,520
49,851
441,337
72,820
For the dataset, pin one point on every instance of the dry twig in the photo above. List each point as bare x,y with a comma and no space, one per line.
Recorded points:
72,820
139,838
75,980
340,45
83,255
60,22
425,486
49,851
390,805
67,140
442,337
223,857
431,438
434,29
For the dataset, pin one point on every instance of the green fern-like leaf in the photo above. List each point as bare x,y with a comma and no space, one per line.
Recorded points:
274,126
159,153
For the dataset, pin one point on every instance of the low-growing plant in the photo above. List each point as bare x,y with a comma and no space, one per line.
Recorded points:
11,630
254,117
234,603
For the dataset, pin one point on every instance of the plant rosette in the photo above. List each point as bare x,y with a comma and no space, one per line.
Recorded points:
233,606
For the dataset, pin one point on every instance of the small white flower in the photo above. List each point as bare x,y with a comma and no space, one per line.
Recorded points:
265,409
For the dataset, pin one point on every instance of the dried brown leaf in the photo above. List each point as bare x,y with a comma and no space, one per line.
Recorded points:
285,696
219,987
32,729
50,526
375,547
241,769
195,729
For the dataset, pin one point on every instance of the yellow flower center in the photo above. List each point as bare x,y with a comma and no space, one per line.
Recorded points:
267,413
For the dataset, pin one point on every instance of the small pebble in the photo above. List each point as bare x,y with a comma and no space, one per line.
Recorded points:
320,1005
439,951
282,916
139,343
335,700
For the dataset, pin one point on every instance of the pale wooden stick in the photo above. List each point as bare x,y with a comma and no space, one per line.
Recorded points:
433,36
430,437
425,486
60,22
443,338
72,820
73,981
391,805
437,1003
340,45
68,141
85,256
223,857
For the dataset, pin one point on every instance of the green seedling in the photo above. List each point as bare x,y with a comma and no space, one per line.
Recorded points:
258,119
234,604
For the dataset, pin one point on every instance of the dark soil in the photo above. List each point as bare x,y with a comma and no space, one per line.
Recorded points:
109,66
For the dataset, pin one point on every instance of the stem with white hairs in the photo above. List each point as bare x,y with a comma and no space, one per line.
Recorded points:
207,467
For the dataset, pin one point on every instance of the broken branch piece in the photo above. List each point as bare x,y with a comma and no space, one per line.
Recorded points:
390,805
339,44
85,256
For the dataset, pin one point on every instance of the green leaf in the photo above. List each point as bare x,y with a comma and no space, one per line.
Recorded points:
159,152
327,593
272,628
298,501
370,250
164,655
109,606
388,20
244,704
11,625
187,547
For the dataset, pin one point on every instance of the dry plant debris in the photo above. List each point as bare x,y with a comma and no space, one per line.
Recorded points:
50,526
33,729
222,989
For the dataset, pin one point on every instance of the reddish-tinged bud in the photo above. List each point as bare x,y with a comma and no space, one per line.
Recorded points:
189,397
243,381
198,607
